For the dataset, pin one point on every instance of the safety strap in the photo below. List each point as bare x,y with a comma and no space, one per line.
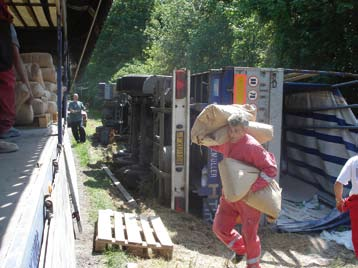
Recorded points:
265,177
253,260
231,244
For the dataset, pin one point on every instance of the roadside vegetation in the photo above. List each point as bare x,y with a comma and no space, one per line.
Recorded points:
155,36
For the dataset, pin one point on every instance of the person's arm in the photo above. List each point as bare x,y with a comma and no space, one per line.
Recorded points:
220,148
343,178
266,163
338,192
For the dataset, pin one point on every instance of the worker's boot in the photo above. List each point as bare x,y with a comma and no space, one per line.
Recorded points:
236,258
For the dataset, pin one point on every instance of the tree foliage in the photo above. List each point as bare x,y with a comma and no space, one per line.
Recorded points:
156,36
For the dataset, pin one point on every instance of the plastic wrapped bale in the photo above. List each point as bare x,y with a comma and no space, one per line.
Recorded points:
260,131
49,74
215,116
43,59
22,94
25,115
39,106
37,90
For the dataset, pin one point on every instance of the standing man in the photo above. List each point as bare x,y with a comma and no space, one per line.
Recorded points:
348,173
75,108
9,58
245,148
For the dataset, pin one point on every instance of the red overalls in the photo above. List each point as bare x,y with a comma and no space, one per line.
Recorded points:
7,85
249,151
351,204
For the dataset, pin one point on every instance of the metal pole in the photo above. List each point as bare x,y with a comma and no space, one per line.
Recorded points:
59,72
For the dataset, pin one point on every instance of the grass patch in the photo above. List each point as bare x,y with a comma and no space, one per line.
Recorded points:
98,185
117,259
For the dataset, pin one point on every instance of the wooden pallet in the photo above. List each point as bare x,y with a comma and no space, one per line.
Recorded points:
42,120
54,117
142,235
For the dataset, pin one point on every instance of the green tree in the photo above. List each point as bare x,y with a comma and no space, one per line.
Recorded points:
315,34
121,40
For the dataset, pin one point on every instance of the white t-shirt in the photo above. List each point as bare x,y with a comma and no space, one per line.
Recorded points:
348,173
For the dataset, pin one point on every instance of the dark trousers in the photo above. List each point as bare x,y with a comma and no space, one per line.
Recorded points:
78,131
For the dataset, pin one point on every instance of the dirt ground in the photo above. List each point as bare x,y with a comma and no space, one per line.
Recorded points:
197,247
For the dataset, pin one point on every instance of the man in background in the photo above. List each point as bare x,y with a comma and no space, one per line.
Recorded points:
75,108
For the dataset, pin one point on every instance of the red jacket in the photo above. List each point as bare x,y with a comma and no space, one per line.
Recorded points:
251,152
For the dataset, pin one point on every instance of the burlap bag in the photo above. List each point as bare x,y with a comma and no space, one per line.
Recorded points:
24,115
52,87
53,97
39,106
215,116
260,131
51,107
267,200
47,94
49,74
22,94
236,178
37,89
43,59
33,73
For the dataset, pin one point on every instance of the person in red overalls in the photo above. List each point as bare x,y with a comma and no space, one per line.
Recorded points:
348,173
245,148
9,58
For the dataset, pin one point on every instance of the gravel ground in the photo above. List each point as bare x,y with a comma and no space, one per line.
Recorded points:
195,246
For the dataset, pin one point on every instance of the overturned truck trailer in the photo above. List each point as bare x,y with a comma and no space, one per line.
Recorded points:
315,132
